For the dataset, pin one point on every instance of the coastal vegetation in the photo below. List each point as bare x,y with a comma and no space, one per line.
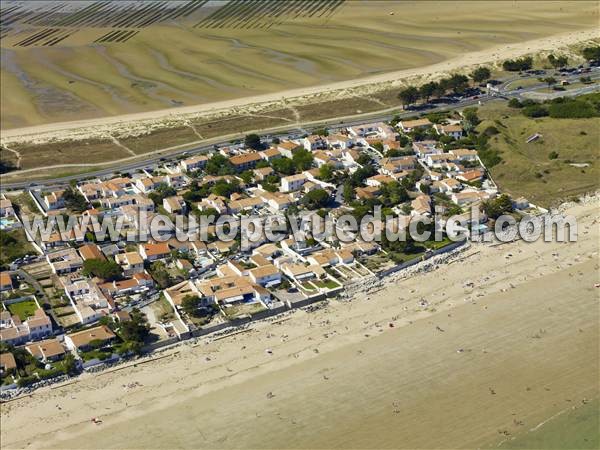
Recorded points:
561,164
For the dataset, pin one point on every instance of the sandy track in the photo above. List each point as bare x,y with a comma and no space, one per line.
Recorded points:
342,377
168,117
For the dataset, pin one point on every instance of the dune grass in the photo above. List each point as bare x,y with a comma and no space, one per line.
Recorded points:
528,170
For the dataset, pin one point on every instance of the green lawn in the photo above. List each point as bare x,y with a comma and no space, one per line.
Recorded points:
307,286
574,429
329,284
527,170
96,354
23,309
433,245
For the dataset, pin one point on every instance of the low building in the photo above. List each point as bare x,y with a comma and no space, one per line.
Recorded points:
245,161
6,207
54,200
6,283
174,205
408,126
288,148
293,182
130,262
8,364
64,261
421,206
82,340
471,176
90,251
464,154
15,332
267,275
48,350
194,163
454,131
155,252
270,154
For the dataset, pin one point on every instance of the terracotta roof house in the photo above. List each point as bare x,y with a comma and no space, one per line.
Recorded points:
154,252
7,363
48,350
90,251
5,282
81,340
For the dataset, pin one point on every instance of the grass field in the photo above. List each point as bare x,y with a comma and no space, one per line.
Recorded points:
23,309
527,170
577,428
166,65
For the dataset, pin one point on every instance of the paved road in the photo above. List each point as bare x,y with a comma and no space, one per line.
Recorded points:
378,116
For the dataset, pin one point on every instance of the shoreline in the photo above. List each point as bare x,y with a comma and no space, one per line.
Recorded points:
83,129
204,383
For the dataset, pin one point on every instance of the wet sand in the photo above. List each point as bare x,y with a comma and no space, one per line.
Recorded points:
482,363
76,129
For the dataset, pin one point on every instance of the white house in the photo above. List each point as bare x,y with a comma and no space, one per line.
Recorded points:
293,182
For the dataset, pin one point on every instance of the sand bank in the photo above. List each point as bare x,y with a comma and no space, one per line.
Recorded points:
85,129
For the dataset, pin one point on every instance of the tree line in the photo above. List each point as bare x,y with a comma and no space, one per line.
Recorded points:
456,83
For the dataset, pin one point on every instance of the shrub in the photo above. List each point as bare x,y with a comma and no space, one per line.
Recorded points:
535,111
574,109
516,65
553,155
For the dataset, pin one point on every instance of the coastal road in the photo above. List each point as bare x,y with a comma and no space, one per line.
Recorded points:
286,133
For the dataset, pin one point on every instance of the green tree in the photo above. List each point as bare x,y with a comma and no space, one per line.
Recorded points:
219,165
106,269
74,200
549,81
247,176
316,199
393,194
408,96
561,61
284,166
160,274
427,90
191,304
378,146
253,141
517,65
471,120
162,191
348,192
458,82
302,159
225,188
481,74
325,172
136,329
591,53
364,159
69,365
496,207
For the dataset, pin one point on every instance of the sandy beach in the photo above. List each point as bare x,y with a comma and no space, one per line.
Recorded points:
83,129
509,339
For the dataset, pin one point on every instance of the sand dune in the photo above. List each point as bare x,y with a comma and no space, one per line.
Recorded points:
527,329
